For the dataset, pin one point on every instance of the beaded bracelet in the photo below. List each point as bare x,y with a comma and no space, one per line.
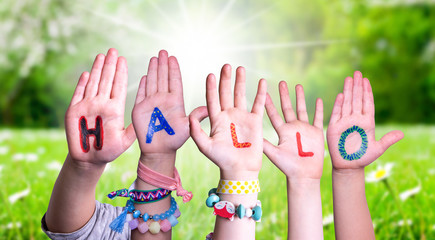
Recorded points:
227,209
138,220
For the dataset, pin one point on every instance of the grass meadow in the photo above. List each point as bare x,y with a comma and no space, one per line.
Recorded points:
31,159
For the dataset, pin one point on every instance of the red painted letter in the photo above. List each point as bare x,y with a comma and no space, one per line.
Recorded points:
300,151
235,141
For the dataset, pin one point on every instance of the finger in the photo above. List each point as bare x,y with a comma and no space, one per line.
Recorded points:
336,110
300,104
225,97
260,99
357,92
199,113
175,83
389,139
80,88
119,90
347,92
151,87
94,77
368,102
162,72
318,115
270,150
273,114
240,89
141,91
128,137
108,73
211,96
201,139
286,104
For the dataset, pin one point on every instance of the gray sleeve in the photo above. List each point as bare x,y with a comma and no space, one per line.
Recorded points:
96,228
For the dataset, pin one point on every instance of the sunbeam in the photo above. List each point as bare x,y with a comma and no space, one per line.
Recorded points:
217,22
128,25
164,15
247,21
268,46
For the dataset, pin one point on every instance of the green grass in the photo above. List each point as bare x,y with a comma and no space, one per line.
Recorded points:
413,158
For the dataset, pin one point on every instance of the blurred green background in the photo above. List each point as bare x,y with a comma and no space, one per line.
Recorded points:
45,45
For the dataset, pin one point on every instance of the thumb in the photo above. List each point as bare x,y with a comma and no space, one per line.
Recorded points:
198,135
270,150
128,137
389,139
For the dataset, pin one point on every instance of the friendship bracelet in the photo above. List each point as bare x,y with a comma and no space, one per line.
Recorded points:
136,220
162,181
238,187
141,196
227,209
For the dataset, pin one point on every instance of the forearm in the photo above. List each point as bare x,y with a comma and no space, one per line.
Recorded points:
305,209
72,202
239,229
351,214
163,164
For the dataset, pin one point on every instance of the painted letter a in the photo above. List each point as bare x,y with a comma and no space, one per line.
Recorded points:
153,128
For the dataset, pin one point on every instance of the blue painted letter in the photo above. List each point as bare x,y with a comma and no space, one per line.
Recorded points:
152,127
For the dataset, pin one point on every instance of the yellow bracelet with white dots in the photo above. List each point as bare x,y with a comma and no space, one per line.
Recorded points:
238,187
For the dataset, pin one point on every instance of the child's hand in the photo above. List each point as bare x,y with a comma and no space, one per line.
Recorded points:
236,137
99,97
297,159
355,107
161,88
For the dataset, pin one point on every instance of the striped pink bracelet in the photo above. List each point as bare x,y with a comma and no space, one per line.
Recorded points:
162,181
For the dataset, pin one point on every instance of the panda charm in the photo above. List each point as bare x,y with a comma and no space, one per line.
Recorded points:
224,209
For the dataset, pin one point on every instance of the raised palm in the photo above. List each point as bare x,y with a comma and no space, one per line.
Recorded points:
235,143
100,94
355,107
303,159
161,88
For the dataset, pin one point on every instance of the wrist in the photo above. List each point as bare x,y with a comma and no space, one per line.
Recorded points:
163,163
83,166
306,185
348,171
238,175
303,181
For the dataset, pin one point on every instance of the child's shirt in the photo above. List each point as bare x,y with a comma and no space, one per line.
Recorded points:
96,228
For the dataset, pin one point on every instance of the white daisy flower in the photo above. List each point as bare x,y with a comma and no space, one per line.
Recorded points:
41,150
273,218
126,176
32,157
409,193
4,150
18,157
12,225
381,173
5,135
326,154
401,223
328,219
54,165
40,174
19,195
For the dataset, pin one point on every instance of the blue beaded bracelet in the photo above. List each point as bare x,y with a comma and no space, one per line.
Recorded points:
155,217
